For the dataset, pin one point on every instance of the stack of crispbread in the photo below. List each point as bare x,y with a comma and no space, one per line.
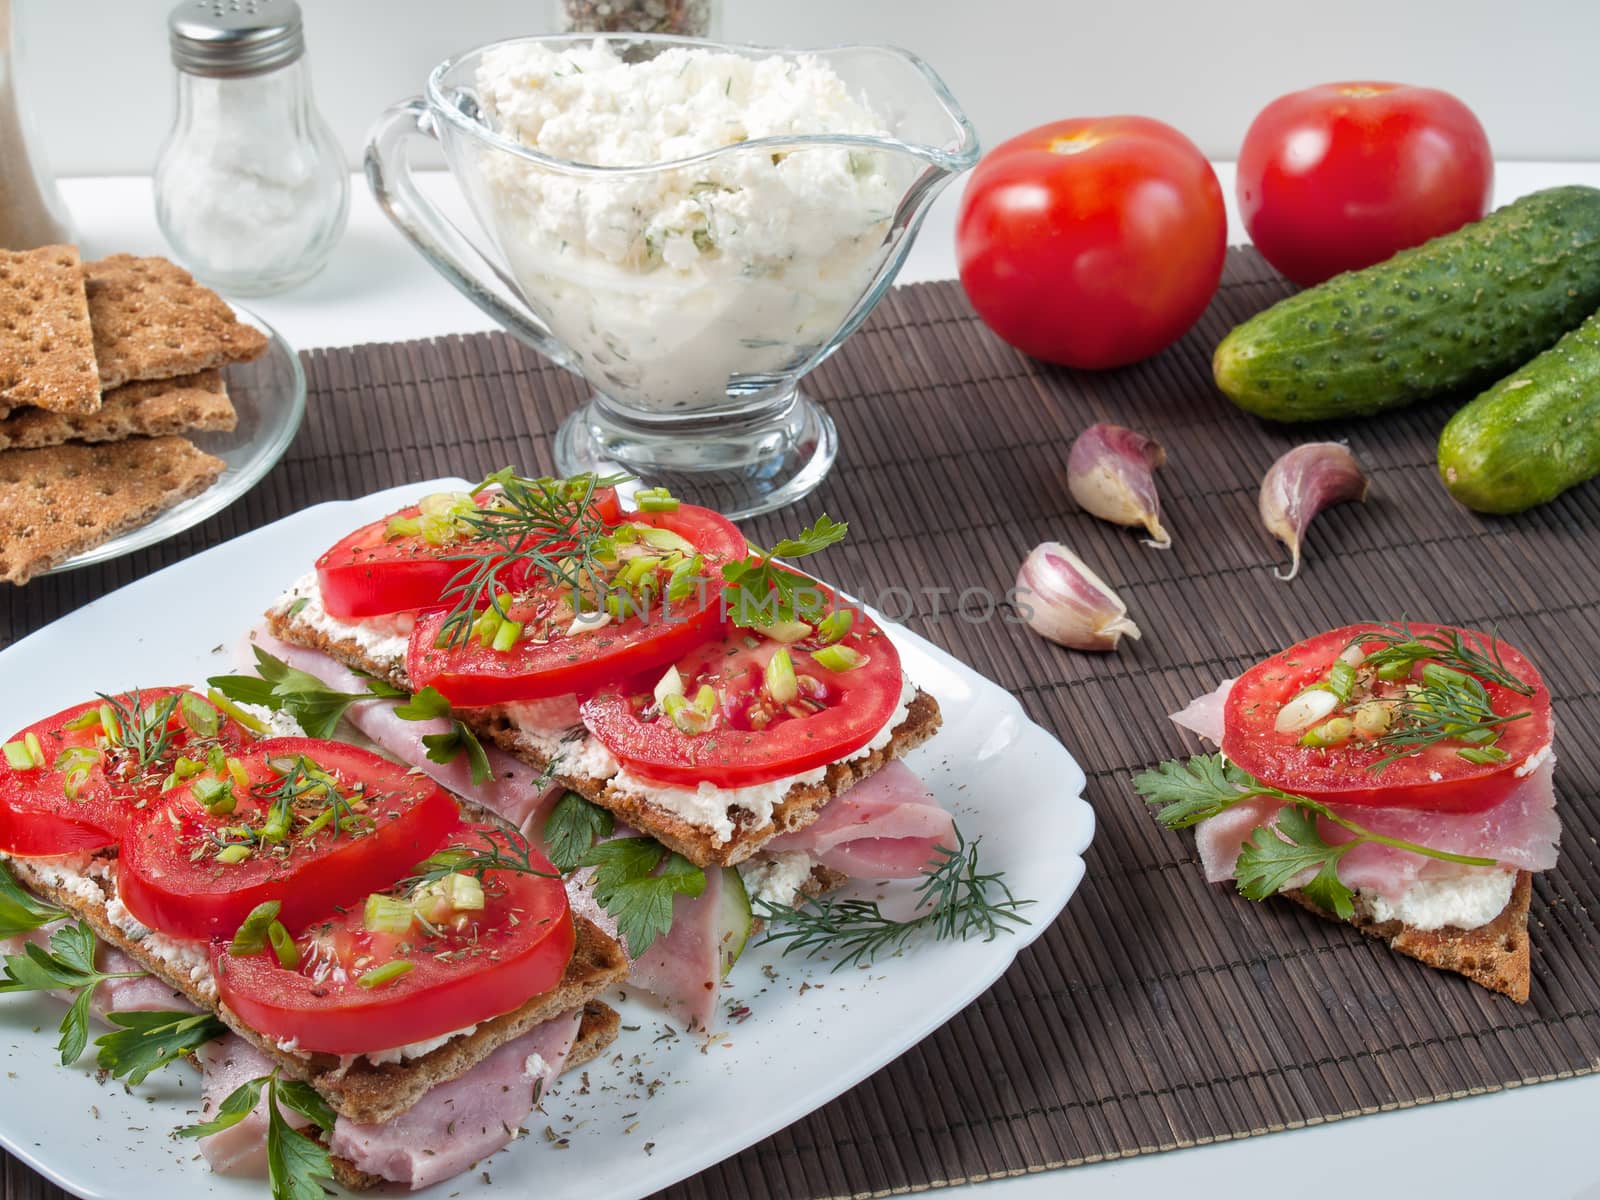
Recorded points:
103,366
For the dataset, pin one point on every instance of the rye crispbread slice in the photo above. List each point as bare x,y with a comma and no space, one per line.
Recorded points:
47,356
363,1091
58,501
699,844
152,320
597,1031
1495,956
148,408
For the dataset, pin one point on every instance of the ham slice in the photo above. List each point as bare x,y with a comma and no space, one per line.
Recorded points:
888,826
450,1128
513,790
469,1118
1523,831
225,1064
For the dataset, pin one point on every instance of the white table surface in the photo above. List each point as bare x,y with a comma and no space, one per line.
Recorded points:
1529,1140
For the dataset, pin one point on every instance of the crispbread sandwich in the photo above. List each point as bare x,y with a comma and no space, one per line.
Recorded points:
1398,778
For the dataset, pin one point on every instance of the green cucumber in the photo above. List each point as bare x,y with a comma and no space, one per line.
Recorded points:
1451,314
733,919
1531,436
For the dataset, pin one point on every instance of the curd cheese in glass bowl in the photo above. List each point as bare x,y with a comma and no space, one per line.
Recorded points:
689,226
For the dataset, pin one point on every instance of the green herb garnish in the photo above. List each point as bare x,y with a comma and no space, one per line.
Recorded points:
296,1163
20,910
303,696
67,966
142,730
572,828
636,880
1402,647
761,592
955,901
148,1041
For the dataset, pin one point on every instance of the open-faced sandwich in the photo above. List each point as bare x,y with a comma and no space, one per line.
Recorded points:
1395,777
653,737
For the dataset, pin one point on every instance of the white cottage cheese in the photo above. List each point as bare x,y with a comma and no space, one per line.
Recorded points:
384,639
777,878
1466,901
666,283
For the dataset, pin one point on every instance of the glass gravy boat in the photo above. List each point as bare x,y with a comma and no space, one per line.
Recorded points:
691,294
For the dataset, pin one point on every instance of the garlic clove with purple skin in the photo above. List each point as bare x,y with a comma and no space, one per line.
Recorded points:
1111,474
1062,599
1300,485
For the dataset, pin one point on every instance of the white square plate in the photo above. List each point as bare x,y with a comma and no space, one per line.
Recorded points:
1007,780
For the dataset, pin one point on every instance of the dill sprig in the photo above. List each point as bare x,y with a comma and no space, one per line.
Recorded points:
502,851
294,785
1402,645
546,528
954,901
143,730
1443,709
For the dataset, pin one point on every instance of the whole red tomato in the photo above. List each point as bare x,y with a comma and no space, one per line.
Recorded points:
1344,175
1092,242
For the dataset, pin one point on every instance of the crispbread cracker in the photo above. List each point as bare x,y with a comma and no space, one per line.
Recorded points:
1495,956
801,806
153,321
47,354
61,500
598,1030
150,408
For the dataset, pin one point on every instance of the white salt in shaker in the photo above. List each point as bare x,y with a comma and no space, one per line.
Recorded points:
251,188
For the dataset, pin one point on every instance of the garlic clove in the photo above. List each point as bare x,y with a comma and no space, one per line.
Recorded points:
1111,474
1300,485
1063,600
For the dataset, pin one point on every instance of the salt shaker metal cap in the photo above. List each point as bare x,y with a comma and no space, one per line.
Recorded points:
251,188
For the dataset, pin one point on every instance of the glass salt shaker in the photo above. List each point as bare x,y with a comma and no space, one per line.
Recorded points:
251,188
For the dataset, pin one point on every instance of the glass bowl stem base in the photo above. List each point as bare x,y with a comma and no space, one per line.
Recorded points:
739,466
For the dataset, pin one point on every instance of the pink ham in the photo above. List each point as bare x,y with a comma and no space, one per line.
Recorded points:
226,1063
888,826
514,788
467,1119
1204,715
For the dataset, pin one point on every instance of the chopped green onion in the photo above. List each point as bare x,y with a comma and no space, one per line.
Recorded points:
1374,718
1392,671
108,723
636,569
656,499
624,535
240,777
486,626
72,783
200,716
399,527
249,720
385,914
283,946
216,794
187,768
681,583
839,658
83,720
276,826
1483,755
463,893
31,741
705,701
1341,679
684,715
665,539
19,757
506,636
782,685
74,757
787,632
251,937
670,684
444,504
388,973
233,855
835,625
1330,733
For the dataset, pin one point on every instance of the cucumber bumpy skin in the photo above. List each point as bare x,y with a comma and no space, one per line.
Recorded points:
1531,436
1453,313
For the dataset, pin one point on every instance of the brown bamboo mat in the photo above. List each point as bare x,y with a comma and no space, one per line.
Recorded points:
1158,1012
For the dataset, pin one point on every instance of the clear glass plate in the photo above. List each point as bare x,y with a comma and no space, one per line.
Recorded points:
269,395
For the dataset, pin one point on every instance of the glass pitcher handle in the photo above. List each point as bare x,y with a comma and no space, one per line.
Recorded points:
388,167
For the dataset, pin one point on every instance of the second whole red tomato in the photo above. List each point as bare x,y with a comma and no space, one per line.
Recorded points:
1345,175
1092,242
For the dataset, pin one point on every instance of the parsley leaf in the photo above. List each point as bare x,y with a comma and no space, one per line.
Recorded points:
572,828
425,705
148,1041
1196,790
67,966
295,1161
761,592
20,910
302,695
238,1105
632,883
1274,854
